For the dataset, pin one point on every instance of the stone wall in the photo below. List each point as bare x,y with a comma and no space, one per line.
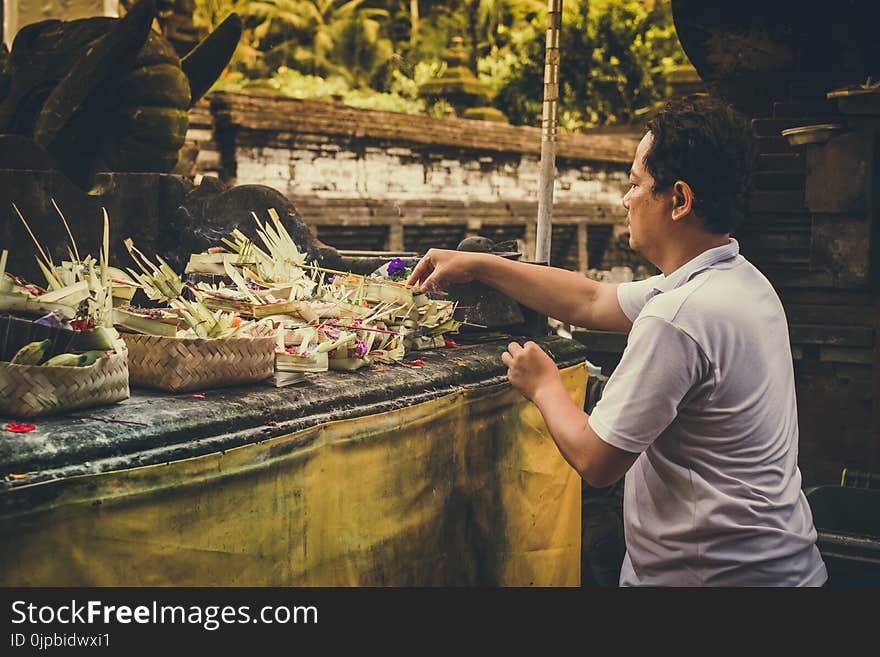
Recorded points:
373,180
330,169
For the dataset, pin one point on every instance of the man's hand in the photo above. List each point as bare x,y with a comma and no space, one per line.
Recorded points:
440,267
531,370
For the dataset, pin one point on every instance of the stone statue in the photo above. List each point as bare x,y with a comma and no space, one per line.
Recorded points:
103,94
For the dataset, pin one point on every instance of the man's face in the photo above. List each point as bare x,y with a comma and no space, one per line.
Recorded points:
647,212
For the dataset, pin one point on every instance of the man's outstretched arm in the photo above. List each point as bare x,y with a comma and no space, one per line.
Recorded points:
558,293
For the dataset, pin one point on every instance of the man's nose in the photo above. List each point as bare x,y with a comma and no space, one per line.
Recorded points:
625,201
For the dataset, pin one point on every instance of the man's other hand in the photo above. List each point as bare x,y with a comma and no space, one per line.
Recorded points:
530,369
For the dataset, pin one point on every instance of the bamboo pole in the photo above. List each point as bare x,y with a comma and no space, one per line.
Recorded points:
548,132
414,20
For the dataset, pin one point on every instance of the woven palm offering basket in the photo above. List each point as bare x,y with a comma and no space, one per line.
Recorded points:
185,364
34,390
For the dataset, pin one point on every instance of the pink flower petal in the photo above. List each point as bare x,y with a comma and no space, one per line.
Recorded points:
20,427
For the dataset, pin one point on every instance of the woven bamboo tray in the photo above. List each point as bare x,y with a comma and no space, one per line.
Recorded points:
34,390
184,364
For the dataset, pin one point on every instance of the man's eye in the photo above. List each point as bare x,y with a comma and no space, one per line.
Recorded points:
632,186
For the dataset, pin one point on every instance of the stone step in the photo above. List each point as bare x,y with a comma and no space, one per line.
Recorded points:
778,180
774,127
774,239
809,91
777,144
787,202
782,162
860,315
842,336
804,109
779,221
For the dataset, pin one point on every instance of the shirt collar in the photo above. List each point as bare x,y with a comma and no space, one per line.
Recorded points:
706,260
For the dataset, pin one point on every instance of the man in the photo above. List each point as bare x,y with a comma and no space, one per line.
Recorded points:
700,414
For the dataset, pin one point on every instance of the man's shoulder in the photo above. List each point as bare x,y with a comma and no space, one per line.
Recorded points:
631,295
668,305
714,292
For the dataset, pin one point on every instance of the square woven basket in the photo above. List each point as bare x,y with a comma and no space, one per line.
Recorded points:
186,364
35,390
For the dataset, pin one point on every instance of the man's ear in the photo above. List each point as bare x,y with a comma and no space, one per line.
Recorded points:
682,200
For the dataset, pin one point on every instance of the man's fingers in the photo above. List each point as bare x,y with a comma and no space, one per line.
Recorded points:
507,359
422,269
431,284
514,348
531,347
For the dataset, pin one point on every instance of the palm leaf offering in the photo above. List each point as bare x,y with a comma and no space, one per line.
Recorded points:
161,283
261,294
187,345
151,321
324,318
78,295
279,261
58,348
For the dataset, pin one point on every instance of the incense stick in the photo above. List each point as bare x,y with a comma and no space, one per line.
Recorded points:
33,237
104,419
344,273
69,234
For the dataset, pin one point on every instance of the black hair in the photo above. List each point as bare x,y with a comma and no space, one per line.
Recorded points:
704,142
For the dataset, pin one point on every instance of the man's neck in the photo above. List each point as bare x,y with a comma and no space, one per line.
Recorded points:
683,252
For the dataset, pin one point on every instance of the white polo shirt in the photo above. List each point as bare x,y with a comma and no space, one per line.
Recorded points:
705,393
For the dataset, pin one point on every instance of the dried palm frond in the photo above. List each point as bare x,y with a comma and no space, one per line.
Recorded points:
202,322
280,262
161,283
77,289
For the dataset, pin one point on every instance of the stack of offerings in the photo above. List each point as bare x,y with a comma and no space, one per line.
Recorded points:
322,319
186,345
58,348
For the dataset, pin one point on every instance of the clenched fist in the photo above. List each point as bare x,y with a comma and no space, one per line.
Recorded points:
529,369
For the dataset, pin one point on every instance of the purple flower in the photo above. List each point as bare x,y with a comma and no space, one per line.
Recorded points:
360,348
396,267
52,320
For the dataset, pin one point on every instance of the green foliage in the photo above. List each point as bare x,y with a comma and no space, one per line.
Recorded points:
614,55
375,53
389,102
209,14
294,84
359,49
316,37
634,47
